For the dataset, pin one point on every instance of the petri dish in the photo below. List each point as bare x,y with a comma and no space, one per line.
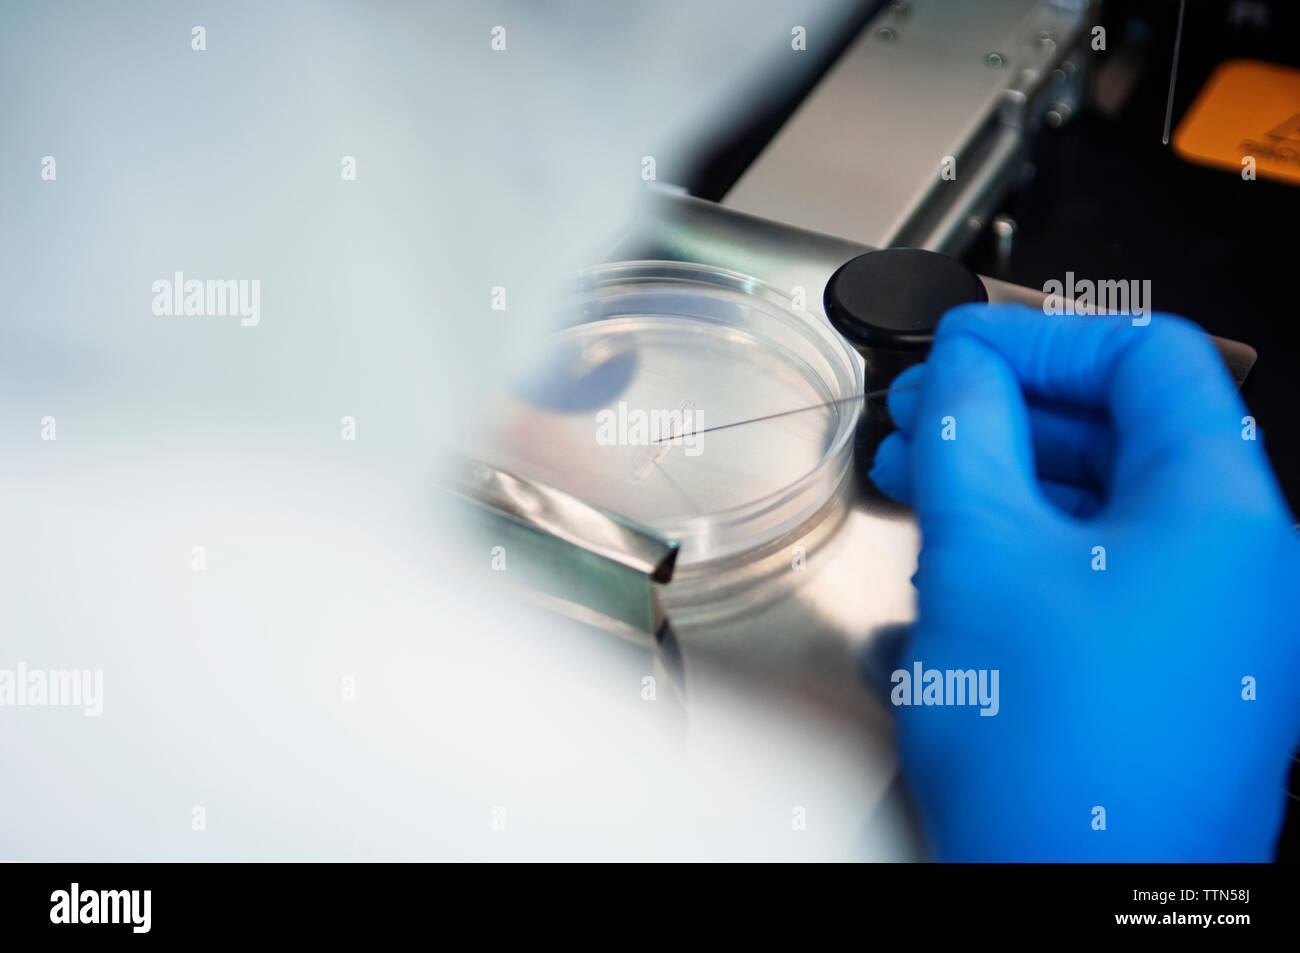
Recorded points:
650,356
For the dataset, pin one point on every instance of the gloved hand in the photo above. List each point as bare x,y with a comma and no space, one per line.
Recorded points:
1098,532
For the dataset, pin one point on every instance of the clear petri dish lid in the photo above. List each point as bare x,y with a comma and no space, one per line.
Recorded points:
654,354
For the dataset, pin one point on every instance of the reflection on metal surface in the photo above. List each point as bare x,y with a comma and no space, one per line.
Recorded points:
566,554
550,511
802,612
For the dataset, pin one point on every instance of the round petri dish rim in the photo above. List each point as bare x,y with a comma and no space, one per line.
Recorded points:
742,529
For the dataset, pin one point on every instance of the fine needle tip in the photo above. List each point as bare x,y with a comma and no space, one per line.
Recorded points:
1173,70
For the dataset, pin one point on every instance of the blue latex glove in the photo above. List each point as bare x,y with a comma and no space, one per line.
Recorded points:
1121,688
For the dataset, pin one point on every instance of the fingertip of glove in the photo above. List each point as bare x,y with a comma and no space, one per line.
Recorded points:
889,468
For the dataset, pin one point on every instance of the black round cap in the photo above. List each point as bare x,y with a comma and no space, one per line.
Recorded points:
892,299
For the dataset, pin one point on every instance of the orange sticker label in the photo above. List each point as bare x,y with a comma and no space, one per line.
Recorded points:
1246,118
